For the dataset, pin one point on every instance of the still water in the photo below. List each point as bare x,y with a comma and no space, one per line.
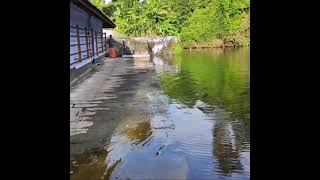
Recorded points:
199,123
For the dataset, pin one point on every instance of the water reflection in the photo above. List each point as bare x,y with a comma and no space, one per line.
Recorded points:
91,166
224,150
139,133
101,164
221,80
198,125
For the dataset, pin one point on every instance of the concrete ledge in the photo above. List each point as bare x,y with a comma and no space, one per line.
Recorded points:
136,55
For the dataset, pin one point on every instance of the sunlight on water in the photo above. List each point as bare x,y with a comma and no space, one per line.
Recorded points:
198,128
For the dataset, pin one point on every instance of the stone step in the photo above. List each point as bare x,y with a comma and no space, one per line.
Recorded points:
139,51
136,56
138,48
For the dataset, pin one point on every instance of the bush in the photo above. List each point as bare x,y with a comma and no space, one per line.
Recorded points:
199,23
222,23
199,29
177,49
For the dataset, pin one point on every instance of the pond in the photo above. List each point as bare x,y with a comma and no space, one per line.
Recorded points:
198,125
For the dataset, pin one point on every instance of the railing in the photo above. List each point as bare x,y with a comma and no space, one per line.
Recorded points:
85,43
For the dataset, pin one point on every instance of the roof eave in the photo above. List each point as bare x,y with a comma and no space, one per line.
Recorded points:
106,22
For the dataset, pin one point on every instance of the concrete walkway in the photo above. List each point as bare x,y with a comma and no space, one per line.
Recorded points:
113,92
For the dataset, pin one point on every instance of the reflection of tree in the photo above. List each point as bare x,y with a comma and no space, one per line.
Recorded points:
221,80
180,87
80,165
91,166
139,133
218,79
108,172
228,158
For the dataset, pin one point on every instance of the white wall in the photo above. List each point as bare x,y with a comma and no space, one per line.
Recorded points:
83,19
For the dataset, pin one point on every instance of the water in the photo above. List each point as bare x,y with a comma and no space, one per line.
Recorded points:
198,127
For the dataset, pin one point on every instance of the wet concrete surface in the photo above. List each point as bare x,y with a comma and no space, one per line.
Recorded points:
112,98
127,122
112,92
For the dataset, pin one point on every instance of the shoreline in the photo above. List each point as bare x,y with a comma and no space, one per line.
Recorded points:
208,47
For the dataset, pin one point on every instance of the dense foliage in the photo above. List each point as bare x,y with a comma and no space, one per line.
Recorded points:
197,23
218,24
98,3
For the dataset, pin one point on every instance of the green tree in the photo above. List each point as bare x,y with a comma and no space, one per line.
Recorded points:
98,3
216,23
195,22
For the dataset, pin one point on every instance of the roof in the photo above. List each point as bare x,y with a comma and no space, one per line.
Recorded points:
90,8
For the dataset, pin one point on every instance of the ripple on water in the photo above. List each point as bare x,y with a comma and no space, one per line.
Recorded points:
199,123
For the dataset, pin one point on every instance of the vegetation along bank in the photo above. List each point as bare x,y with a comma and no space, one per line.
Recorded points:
196,23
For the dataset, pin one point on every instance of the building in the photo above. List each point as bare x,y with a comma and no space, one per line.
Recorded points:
87,39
